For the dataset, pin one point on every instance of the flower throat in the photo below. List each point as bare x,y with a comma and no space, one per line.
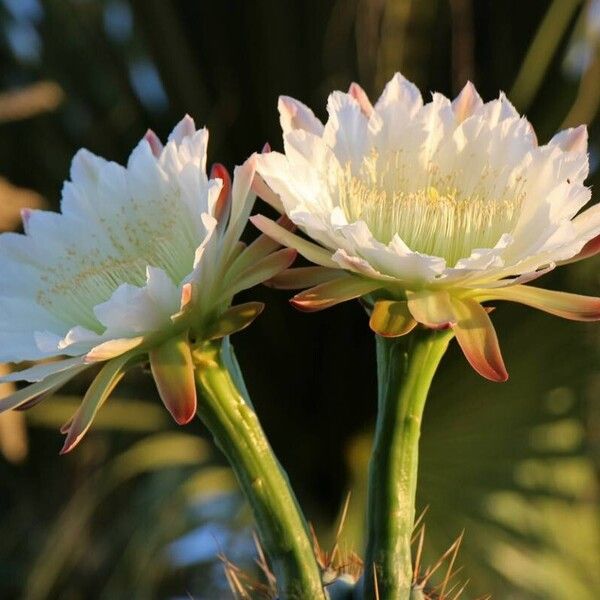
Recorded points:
438,218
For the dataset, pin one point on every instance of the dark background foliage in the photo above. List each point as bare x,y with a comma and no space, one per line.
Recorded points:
98,73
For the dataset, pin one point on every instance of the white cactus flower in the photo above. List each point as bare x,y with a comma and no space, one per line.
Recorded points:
429,210
142,262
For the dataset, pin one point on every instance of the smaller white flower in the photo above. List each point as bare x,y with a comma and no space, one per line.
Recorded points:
429,210
142,262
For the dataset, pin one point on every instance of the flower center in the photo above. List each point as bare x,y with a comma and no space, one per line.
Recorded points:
152,231
446,215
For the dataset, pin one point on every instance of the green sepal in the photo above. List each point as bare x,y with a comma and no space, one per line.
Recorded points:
100,389
232,320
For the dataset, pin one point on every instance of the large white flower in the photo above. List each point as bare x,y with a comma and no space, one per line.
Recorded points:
141,262
430,209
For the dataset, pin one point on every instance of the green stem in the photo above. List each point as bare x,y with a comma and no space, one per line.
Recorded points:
405,369
232,421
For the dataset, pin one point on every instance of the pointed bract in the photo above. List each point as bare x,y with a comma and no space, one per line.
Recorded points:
233,320
262,246
303,277
173,371
98,392
333,292
263,270
309,250
391,318
432,308
562,304
41,389
477,338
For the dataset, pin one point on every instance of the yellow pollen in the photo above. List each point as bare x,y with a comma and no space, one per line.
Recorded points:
433,214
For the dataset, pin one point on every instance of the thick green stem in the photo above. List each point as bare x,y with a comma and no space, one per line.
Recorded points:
236,429
405,369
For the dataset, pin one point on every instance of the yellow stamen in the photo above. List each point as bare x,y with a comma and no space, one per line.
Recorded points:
432,214
120,255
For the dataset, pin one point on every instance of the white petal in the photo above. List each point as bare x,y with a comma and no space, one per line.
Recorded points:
587,224
498,110
574,139
357,265
24,314
346,130
162,291
85,167
393,122
394,261
295,185
18,346
146,176
135,310
41,371
399,93
361,97
486,258
466,103
186,127
295,115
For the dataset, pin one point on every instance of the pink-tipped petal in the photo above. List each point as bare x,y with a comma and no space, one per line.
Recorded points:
185,128
25,216
333,292
233,320
173,372
574,139
64,428
562,304
391,318
303,277
156,145
310,251
590,249
361,97
295,115
466,103
98,392
223,202
477,338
